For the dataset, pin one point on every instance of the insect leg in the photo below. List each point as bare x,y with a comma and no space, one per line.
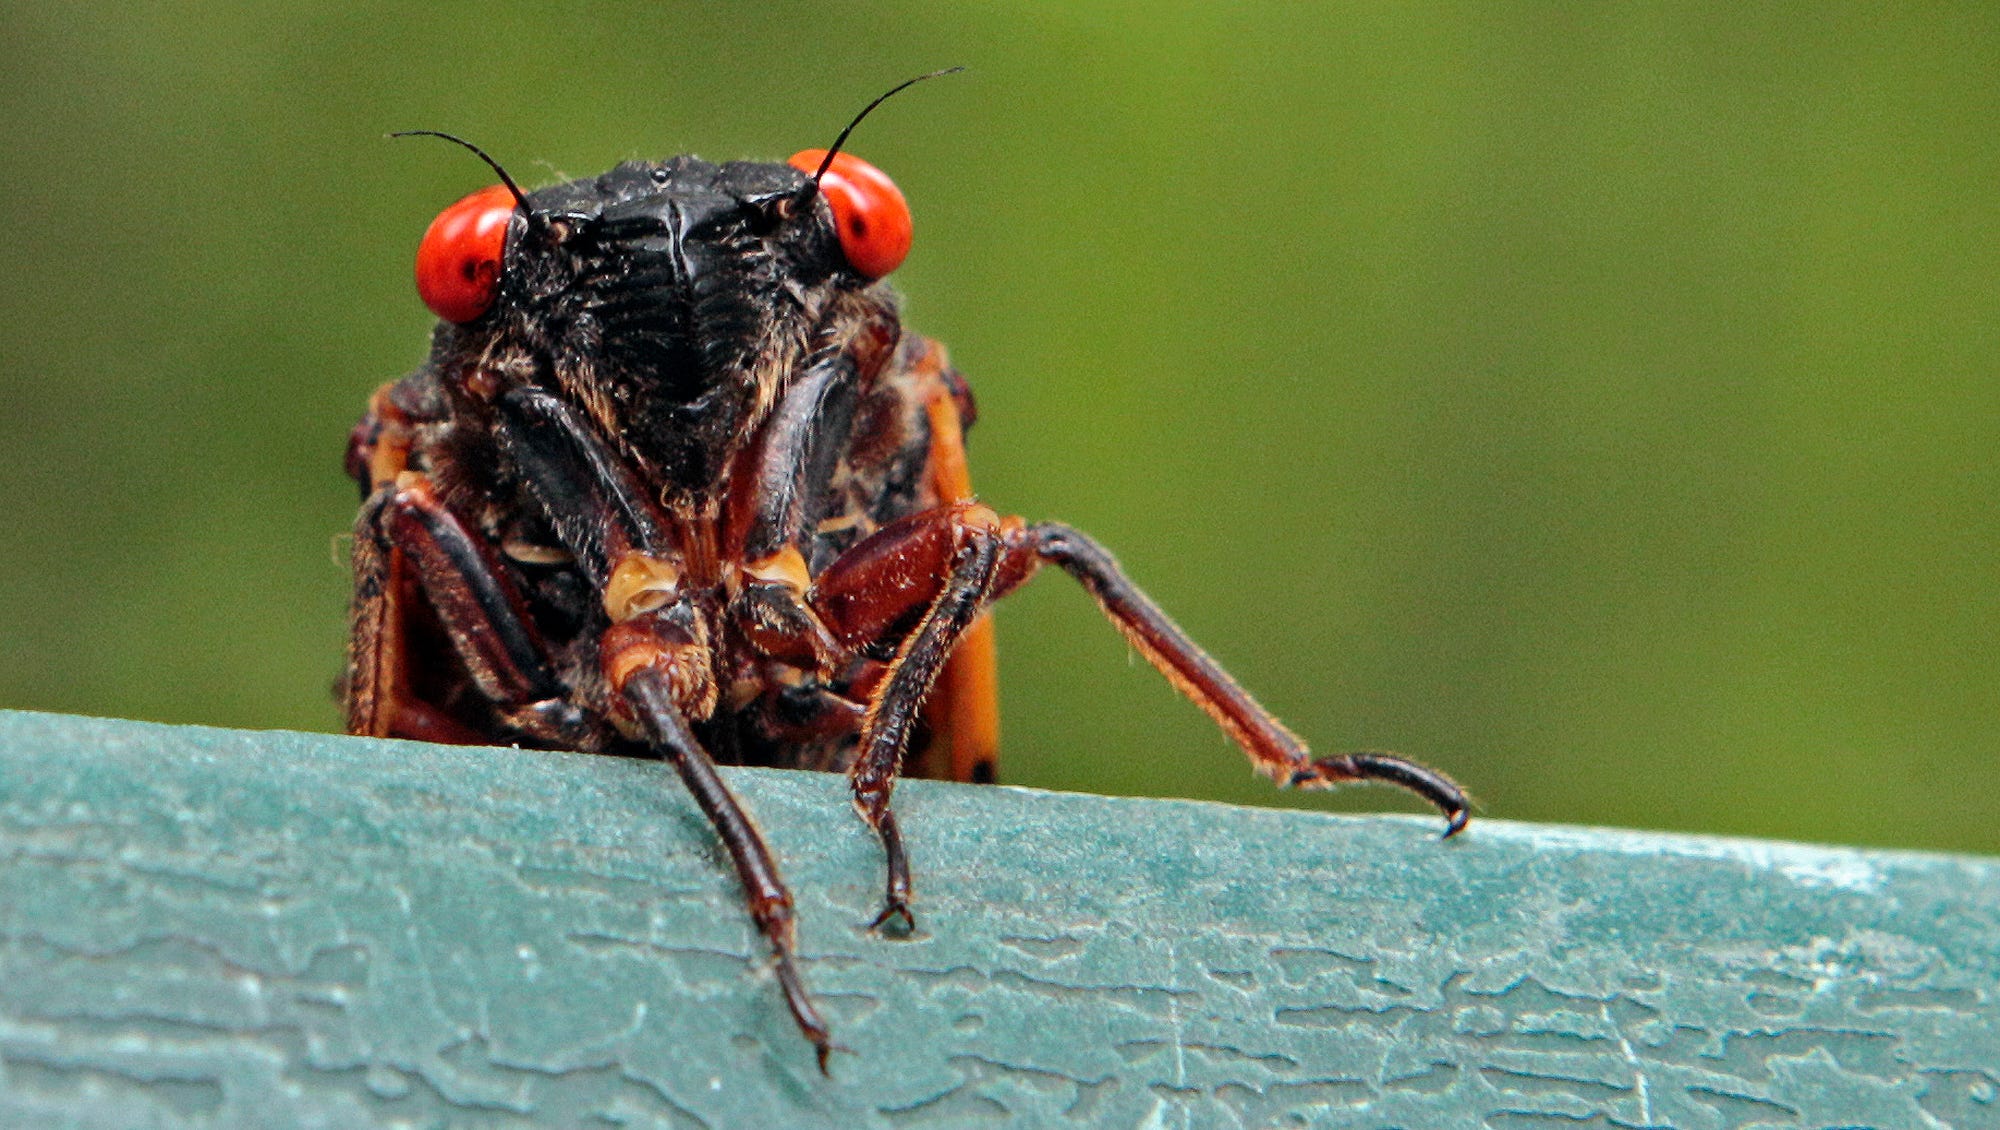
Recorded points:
941,564
782,487
596,506
781,498
642,671
375,687
806,433
1275,750
656,653
407,534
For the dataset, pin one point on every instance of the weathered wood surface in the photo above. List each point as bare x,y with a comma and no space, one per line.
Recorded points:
224,929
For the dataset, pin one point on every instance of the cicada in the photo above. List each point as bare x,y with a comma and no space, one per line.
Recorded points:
675,481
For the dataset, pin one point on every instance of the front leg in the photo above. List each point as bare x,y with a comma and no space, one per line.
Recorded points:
413,554
591,499
922,580
782,488
649,685
656,657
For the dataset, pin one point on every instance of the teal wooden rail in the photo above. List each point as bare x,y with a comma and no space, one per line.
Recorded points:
225,929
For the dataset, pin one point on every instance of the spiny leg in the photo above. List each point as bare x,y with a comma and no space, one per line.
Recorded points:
781,491
1424,781
596,506
945,562
1275,750
886,734
406,534
649,691
656,654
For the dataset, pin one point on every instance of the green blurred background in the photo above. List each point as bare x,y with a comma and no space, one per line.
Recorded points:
1600,403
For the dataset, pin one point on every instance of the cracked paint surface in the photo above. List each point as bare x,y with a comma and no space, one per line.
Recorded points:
207,928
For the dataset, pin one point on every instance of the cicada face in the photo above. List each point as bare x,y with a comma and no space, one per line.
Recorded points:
675,300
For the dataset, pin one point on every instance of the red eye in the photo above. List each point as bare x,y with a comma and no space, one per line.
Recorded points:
458,263
868,208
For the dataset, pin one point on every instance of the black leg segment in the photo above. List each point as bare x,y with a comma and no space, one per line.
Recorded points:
1275,750
770,902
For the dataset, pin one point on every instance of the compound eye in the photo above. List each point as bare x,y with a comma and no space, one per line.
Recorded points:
868,209
458,263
